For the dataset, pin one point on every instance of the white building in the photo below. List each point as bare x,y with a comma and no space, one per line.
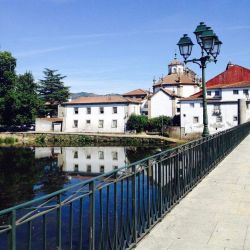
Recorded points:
98,114
227,102
163,102
179,82
141,96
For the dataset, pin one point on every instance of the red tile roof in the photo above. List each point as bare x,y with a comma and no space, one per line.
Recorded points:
170,93
136,92
101,99
195,96
232,74
230,85
175,79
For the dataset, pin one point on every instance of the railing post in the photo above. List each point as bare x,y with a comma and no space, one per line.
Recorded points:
134,219
12,233
160,186
149,163
59,223
92,216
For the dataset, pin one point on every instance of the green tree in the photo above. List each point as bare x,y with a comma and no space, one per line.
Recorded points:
52,92
28,102
137,122
7,88
158,124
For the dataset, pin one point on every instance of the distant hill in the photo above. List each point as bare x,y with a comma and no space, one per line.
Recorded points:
81,94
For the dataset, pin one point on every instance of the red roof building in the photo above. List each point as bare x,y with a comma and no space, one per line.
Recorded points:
233,74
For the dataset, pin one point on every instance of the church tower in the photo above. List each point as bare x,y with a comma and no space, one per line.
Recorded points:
175,66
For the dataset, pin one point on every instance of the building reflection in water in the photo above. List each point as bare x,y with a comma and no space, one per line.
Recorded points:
85,160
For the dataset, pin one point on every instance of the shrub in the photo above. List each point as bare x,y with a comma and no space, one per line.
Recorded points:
141,123
137,122
158,123
9,140
40,139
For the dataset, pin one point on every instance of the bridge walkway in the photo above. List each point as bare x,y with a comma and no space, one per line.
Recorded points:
215,215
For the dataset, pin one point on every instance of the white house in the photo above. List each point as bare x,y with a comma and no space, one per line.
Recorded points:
163,102
179,82
141,96
98,114
227,102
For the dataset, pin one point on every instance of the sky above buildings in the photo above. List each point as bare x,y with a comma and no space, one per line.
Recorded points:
114,46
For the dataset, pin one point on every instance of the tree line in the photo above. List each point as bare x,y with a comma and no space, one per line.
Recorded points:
22,99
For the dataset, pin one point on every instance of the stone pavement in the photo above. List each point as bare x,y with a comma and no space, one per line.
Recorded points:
215,215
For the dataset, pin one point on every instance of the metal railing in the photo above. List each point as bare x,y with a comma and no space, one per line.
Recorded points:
115,210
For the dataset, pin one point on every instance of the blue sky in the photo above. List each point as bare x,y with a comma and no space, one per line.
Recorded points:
113,46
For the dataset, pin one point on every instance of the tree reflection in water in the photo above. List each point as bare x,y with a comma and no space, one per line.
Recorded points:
22,177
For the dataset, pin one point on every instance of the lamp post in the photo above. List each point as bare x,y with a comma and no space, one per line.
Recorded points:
210,49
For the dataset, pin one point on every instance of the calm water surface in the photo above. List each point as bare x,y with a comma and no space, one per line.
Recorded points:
27,173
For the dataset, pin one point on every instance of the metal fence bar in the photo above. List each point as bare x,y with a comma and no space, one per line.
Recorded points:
116,209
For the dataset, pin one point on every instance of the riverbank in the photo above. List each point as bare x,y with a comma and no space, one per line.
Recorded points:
81,139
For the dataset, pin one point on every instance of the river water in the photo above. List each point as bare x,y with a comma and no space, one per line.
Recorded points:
26,173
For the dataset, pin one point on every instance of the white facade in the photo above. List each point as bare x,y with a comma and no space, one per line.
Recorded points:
48,125
162,104
222,110
98,118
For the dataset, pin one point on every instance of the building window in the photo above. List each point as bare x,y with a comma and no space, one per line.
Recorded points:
191,105
89,168
87,121
115,156
76,168
209,93
115,167
195,119
101,155
75,124
201,105
101,109
216,107
217,93
245,92
235,91
248,105
88,111
100,124
114,110
235,118
114,124
76,154
218,118
178,110
88,156
76,111
101,169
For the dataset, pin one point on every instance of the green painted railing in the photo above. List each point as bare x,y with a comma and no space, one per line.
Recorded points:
115,210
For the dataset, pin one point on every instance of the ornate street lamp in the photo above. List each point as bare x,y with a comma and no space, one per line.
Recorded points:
209,43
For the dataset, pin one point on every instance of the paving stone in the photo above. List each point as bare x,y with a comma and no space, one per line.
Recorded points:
215,215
